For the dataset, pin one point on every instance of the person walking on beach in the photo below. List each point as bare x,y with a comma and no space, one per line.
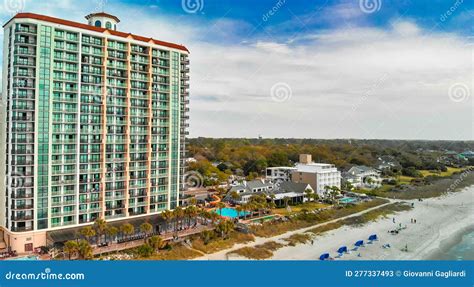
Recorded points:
394,220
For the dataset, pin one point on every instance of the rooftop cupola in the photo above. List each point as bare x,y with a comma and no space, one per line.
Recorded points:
103,20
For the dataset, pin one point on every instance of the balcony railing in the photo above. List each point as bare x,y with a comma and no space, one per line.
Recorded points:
21,228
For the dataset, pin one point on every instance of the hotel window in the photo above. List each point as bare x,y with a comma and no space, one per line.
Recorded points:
108,25
97,23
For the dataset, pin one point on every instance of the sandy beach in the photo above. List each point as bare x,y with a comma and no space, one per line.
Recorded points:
438,221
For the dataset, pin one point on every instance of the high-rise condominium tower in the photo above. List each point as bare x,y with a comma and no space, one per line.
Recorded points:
93,125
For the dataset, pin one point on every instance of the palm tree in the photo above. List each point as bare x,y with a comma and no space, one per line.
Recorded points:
220,206
235,196
88,232
85,249
100,225
155,242
193,201
308,194
271,205
246,207
127,229
191,212
178,213
272,198
239,210
213,217
146,228
70,248
286,199
225,227
315,196
187,216
111,231
203,214
206,236
167,216
327,188
250,207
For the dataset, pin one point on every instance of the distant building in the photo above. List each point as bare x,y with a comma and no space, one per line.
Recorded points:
468,154
279,174
248,188
278,192
363,177
318,175
387,162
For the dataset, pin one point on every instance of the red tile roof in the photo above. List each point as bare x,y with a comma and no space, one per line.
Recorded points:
96,29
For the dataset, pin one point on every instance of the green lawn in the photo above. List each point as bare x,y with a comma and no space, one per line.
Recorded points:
298,208
403,179
449,172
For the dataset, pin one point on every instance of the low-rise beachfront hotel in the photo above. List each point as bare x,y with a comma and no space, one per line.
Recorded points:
93,125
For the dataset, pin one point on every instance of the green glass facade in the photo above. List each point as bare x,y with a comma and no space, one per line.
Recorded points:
44,78
97,125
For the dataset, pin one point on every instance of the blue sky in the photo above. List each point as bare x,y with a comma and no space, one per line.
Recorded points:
320,69
298,16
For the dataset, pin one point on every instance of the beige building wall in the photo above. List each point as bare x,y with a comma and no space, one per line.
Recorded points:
305,177
305,158
19,241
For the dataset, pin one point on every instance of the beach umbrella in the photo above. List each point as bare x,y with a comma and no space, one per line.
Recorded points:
342,249
359,243
373,237
324,256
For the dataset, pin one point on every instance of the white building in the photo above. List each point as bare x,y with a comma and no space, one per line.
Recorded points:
318,175
280,173
363,177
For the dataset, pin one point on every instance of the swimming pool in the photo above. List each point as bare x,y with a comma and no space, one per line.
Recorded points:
229,212
26,258
347,200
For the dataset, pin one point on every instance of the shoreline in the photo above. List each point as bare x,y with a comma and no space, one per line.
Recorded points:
441,221
449,243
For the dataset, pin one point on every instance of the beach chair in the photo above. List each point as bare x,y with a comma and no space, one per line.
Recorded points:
373,238
324,256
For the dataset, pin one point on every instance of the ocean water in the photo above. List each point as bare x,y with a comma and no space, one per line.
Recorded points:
461,250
